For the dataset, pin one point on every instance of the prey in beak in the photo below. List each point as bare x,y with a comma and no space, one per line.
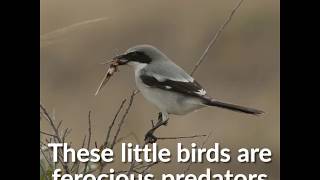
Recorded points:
121,59
114,63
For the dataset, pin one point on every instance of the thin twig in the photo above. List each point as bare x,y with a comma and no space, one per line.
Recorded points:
77,162
123,118
215,37
113,121
56,131
47,116
45,157
114,141
84,141
65,134
132,165
48,134
203,143
59,124
182,137
89,141
43,171
143,172
89,129
148,165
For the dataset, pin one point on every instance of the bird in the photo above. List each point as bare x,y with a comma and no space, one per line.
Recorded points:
168,86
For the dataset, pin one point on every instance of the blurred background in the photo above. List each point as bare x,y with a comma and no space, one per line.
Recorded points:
243,67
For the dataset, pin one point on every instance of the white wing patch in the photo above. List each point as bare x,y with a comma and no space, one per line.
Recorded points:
168,87
201,92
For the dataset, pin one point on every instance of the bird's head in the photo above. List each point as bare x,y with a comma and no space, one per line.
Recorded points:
140,55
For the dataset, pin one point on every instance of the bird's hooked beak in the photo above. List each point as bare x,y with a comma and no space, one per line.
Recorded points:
121,59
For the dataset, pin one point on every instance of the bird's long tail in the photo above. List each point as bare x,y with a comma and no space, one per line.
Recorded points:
233,107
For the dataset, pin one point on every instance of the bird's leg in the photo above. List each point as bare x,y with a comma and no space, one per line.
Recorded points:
159,116
149,137
164,118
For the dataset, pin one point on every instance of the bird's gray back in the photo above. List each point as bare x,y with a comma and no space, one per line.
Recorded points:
167,69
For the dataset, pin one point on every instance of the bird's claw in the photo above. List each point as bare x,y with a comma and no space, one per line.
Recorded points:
150,138
165,123
159,116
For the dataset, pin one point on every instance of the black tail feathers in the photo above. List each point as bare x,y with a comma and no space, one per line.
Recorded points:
233,107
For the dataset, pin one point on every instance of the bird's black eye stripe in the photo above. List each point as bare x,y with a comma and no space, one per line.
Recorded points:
138,56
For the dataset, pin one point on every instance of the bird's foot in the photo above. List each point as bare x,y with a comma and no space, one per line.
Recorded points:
160,116
165,123
161,119
150,138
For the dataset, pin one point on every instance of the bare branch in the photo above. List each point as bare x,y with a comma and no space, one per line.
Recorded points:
182,137
123,118
89,140
45,157
48,134
215,37
76,164
65,134
56,131
89,130
59,124
114,141
148,165
113,121
83,141
47,116
203,143
43,171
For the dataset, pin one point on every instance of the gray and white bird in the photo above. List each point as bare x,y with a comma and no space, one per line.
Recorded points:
168,86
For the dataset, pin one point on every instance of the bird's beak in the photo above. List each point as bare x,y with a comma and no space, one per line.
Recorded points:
121,59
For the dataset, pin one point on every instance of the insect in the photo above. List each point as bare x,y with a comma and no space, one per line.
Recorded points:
111,70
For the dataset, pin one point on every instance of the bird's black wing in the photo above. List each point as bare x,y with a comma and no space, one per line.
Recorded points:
182,87
193,89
